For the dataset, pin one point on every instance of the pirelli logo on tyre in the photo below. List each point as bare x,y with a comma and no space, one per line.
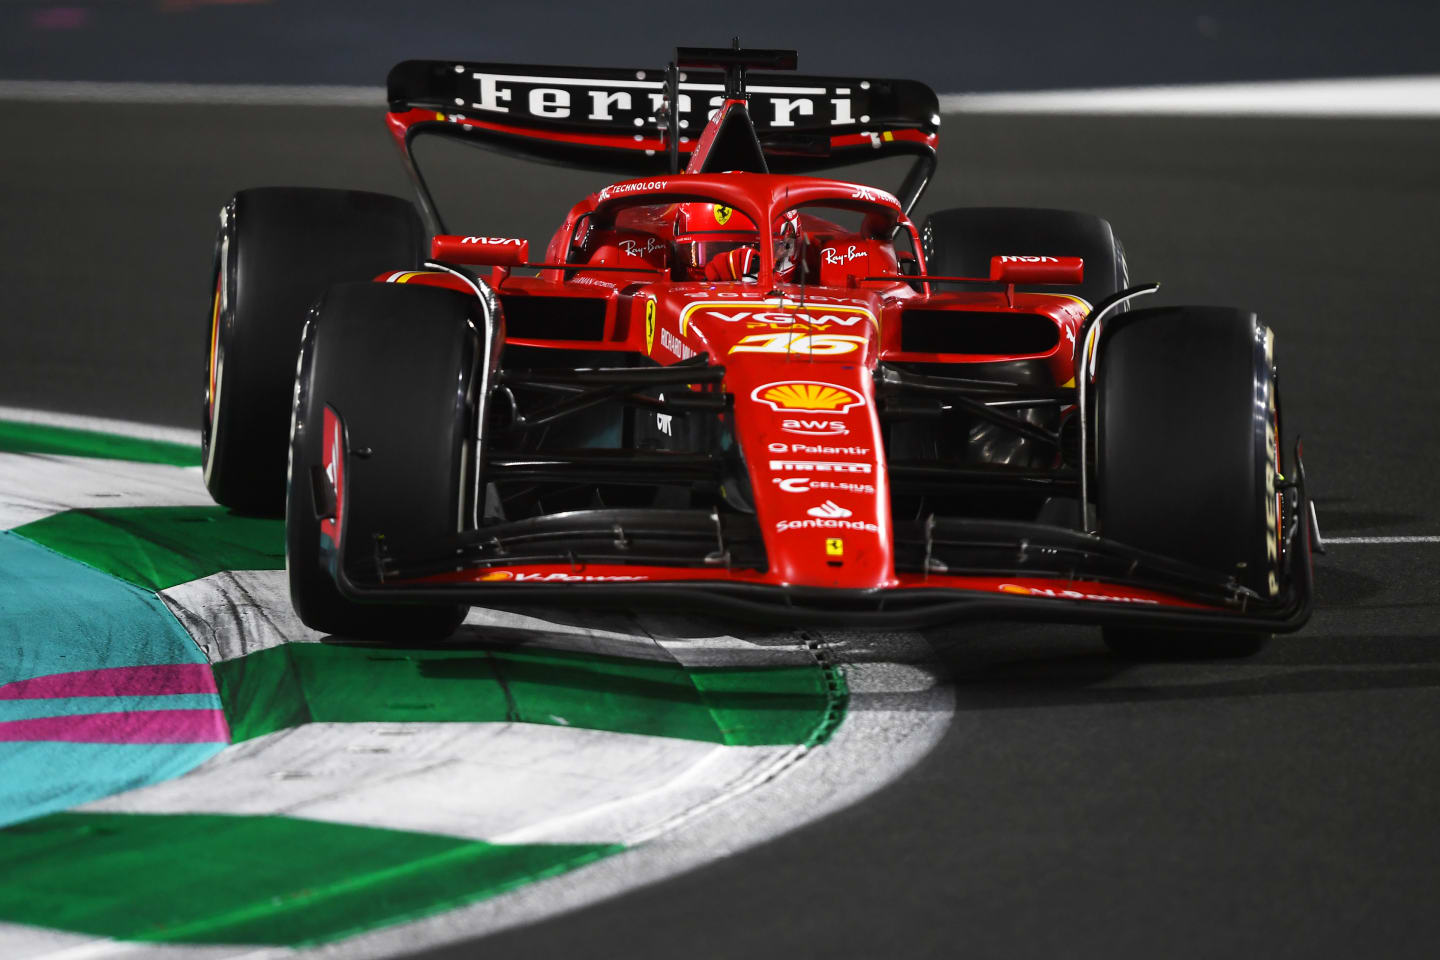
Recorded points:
805,396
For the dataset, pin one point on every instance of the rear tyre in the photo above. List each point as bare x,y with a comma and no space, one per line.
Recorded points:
1187,457
960,242
278,249
397,365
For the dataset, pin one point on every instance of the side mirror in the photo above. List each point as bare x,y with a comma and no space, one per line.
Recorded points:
581,234
1020,269
480,251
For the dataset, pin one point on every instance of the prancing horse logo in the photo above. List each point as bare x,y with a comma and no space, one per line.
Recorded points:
649,325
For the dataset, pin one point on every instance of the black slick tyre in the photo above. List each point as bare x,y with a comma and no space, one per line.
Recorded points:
959,242
278,248
396,365
1188,457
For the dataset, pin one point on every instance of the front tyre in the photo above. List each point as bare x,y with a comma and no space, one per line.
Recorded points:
1188,456
397,365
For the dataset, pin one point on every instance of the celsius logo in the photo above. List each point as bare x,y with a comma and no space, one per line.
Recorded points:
829,510
807,397
807,484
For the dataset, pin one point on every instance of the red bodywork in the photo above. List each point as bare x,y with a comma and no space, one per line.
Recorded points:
800,363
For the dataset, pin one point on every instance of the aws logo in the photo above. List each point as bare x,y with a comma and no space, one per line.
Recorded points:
815,428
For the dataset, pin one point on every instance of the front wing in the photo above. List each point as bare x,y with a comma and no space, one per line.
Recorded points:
946,571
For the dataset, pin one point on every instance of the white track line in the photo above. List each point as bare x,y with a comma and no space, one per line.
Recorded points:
1330,540
119,428
1413,96
1417,96
34,486
232,94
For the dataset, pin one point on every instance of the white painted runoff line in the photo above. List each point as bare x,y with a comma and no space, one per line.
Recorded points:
233,94
1330,540
1415,96
119,428
1412,96
34,486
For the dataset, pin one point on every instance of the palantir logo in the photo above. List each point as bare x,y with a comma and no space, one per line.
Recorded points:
829,510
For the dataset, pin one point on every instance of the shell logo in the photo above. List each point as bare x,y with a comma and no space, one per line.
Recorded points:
497,575
806,396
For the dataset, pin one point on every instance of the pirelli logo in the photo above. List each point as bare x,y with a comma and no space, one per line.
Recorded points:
819,466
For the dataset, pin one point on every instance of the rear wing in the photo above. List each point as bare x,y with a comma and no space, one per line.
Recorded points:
620,120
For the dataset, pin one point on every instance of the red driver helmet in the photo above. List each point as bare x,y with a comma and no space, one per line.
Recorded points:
717,242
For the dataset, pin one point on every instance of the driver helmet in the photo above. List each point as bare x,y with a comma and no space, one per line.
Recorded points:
720,243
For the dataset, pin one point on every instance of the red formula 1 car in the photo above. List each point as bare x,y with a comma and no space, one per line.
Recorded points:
730,387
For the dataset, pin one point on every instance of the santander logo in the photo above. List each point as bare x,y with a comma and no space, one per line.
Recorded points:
829,510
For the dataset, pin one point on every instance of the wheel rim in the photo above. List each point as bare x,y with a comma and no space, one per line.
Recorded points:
215,355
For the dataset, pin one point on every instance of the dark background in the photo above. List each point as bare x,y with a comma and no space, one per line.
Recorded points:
952,46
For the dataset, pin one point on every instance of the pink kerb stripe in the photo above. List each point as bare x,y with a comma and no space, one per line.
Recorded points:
139,726
170,678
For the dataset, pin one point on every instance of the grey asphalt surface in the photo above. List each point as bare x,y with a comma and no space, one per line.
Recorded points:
1079,806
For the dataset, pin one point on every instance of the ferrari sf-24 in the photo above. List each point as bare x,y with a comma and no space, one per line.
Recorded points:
732,387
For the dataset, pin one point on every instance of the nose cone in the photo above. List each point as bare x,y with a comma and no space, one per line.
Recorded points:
806,424
810,437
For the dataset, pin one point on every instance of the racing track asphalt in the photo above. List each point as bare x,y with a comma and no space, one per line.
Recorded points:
1282,806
